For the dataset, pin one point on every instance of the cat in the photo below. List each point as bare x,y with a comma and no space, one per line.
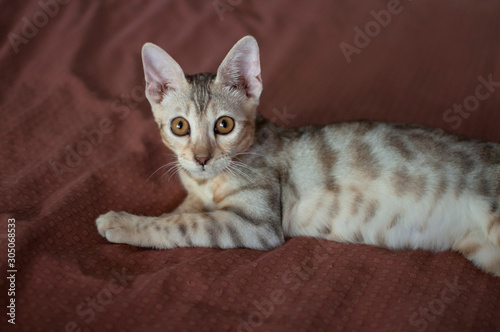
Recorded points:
251,183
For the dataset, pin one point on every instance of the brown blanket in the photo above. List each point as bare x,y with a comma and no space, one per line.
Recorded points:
78,139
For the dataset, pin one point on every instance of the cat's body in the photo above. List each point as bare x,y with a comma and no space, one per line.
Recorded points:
251,183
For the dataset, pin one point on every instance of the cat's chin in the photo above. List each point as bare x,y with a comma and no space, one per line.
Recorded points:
206,174
203,175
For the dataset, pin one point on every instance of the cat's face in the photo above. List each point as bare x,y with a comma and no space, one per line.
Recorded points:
206,132
206,119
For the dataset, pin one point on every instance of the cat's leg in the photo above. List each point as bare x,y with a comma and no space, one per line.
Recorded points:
487,216
490,190
480,250
493,226
219,229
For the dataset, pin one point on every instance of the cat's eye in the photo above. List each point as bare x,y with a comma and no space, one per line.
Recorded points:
180,126
224,125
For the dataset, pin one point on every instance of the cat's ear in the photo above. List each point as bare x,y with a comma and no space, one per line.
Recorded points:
162,73
241,68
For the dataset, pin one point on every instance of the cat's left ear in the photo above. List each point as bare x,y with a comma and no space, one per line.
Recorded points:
241,68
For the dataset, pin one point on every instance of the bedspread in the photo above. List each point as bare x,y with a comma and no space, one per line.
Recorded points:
78,139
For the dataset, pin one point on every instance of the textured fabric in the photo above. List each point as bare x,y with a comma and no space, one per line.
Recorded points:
78,139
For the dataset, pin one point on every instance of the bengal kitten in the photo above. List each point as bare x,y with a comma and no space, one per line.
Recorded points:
250,183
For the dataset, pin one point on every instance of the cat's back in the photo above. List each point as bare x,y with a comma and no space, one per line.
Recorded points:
370,150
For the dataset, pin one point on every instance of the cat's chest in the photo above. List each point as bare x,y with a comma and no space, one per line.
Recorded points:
210,192
205,193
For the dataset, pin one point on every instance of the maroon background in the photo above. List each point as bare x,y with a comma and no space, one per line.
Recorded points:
83,66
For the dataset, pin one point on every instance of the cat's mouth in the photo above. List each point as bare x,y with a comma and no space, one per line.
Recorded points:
204,172
206,169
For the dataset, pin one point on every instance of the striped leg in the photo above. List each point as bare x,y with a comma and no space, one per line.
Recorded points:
218,229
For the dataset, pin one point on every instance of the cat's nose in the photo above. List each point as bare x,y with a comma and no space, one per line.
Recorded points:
202,160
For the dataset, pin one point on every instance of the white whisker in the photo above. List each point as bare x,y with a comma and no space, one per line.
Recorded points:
245,166
249,153
161,167
238,171
172,171
176,172
230,171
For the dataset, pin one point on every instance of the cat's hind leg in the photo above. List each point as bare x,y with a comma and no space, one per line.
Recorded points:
480,250
493,226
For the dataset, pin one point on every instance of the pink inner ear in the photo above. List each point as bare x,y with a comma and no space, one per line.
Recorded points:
244,76
154,93
166,87
238,83
254,80
241,68
157,91
161,72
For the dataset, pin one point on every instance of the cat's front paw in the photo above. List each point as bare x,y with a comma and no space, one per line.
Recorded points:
116,227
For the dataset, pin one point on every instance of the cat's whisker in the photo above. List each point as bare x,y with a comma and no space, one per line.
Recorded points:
161,167
239,166
176,172
249,153
172,171
245,166
229,169
240,172
231,172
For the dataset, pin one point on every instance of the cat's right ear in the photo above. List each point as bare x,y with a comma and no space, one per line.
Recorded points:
241,68
161,72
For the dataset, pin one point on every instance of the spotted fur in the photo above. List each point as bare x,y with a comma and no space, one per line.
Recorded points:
390,185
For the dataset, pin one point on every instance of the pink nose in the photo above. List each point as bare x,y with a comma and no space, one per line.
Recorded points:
202,160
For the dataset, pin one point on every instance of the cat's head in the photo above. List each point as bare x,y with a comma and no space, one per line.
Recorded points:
206,119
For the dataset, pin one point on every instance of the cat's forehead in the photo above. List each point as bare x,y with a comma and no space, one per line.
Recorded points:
201,89
204,97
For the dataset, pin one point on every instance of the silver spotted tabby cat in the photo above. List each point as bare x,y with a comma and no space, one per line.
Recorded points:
250,183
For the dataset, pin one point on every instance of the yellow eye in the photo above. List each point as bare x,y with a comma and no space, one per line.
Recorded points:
224,125
180,126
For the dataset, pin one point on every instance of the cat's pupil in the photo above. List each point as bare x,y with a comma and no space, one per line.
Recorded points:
179,125
223,123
